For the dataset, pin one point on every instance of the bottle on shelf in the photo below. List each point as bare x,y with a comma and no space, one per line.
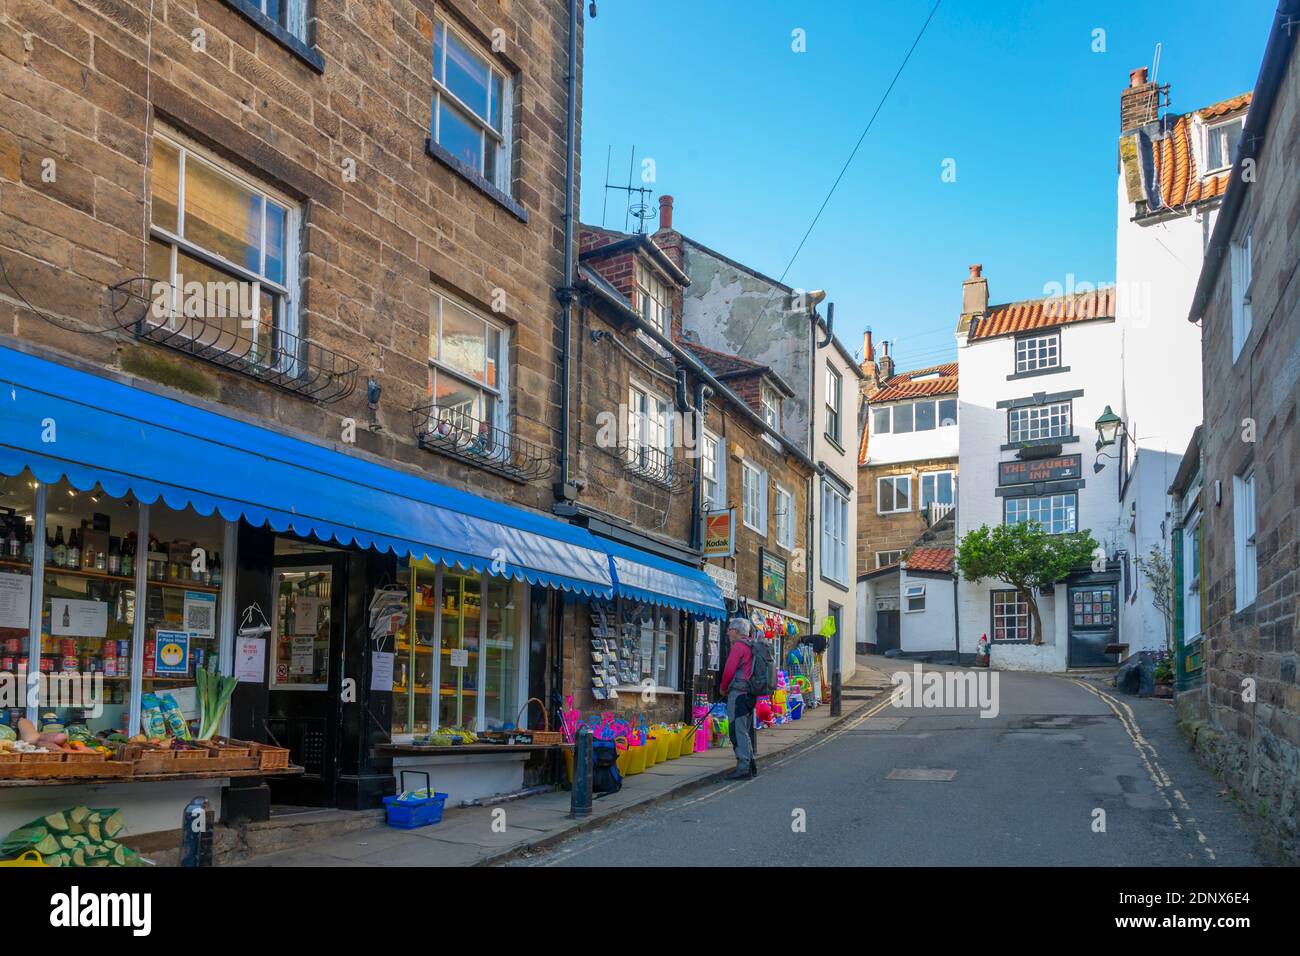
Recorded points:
72,555
128,556
13,545
214,571
49,547
29,545
101,560
60,549
114,557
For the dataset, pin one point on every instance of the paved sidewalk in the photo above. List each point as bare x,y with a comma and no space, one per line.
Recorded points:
467,837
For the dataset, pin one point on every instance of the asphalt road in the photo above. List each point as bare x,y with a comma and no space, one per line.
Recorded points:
1026,790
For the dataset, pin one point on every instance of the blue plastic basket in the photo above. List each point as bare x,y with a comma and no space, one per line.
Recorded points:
411,814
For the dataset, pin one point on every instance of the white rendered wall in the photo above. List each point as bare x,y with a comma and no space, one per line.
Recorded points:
932,628
843,461
887,448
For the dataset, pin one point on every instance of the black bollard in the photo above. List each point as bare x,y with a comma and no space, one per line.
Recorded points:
580,795
196,833
836,688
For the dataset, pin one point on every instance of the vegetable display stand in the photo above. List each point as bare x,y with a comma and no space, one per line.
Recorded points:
546,737
414,812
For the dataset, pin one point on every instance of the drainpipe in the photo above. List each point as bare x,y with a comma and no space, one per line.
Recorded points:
956,617
564,489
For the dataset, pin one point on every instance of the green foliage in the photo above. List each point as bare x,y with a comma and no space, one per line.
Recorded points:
1025,557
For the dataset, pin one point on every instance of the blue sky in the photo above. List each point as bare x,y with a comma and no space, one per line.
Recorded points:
748,136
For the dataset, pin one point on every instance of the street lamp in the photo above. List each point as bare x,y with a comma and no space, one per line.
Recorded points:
1108,427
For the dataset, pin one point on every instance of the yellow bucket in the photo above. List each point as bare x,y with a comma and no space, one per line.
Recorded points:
635,760
568,763
687,738
652,751
30,858
661,746
674,745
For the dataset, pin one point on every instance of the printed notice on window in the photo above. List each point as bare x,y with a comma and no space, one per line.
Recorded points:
200,614
381,670
15,600
72,618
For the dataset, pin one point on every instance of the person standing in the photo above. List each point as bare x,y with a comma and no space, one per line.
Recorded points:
736,674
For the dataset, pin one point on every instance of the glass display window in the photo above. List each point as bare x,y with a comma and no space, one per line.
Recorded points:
301,627
88,607
183,577
417,643
501,650
17,547
459,680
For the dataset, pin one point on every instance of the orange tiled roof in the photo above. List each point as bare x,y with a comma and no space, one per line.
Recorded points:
1044,313
1174,160
931,559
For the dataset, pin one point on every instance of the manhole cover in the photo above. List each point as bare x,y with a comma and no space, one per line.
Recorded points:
921,774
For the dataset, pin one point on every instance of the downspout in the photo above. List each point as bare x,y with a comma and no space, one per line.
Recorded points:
811,547
697,534
564,489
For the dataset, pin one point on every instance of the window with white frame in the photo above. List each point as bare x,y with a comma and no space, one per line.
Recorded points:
771,402
922,416
649,429
1192,576
880,420
227,247
652,299
1034,422
290,14
712,471
1011,620
1221,144
893,494
785,517
937,487
1243,534
467,366
914,598
472,106
1242,273
835,534
885,558
834,397
1057,514
754,498
904,415
947,412
1035,352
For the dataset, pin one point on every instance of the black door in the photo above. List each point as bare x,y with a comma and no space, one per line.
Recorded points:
307,631
1094,623
886,631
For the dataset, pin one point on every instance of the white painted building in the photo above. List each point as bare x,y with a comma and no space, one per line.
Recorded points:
1035,375
1173,172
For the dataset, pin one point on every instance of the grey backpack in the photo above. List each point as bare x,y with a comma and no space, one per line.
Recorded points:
762,669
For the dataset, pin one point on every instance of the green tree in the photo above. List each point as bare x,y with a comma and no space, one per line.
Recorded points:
1025,557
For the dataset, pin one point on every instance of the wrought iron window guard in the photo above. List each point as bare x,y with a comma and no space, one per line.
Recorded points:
658,466
453,431
224,338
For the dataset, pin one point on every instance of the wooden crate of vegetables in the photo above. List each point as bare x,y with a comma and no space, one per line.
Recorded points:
76,837
54,752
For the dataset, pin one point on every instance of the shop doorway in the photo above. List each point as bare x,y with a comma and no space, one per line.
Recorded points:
306,671
1094,624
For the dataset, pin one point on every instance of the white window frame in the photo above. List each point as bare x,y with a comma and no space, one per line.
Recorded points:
770,399
885,411
834,402
785,517
1218,163
653,299
293,16
713,470
1016,616
1244,528
1038,352
1192,577
650,427
288,291
501,391
835,534
934,483
938,412
1032,506
1034,422
753,511
893,481
897,556
501,140
911,595
1242,268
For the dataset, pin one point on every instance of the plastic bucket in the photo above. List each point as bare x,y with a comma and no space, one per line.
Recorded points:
664,741
686,747
635,760
568,763
796,708
674,745
651,748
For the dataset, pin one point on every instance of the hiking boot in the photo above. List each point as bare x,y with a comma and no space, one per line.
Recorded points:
740,773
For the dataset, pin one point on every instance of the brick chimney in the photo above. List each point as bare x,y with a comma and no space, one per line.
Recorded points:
974,297
886,363
665,212
1139,104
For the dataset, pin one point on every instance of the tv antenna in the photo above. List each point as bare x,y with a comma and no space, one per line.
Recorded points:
638,206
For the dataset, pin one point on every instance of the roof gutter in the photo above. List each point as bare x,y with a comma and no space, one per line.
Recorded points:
1272,71
692,363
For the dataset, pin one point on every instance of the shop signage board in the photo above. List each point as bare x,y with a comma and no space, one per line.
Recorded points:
1044,469
724,578
720,533
250,660
771,578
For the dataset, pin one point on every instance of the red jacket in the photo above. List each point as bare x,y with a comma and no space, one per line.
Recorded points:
740,657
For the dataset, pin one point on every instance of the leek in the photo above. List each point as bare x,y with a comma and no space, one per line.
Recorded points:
214,693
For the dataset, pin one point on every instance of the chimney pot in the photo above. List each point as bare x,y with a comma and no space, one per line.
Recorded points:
976,270
1137,77
665,212
868,351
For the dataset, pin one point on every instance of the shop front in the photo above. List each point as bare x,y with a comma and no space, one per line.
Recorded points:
351,605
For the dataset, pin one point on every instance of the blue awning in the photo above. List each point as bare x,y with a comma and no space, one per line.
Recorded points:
129,439
643,576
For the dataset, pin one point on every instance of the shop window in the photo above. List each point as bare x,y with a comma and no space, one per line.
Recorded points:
89,604
17,545
302,628
468,644
223,250
472,107
656,631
